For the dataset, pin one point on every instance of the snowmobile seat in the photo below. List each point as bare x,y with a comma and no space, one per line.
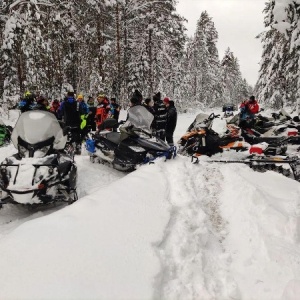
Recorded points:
64,168
114,137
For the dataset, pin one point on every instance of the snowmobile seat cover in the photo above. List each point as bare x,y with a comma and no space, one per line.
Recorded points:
139,117
38,126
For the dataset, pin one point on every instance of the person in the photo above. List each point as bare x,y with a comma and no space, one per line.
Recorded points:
84,113
248,109
148,104
171,120
115,108
102,110
91,118
42,104
27,103
160,117
55,107
69,112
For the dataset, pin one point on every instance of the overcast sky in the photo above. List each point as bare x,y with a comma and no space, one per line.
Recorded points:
238,22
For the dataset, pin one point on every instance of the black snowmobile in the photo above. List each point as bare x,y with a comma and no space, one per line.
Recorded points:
40,172
132,146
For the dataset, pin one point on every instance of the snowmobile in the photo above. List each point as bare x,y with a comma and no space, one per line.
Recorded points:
209,134
228,110
132,146
40,172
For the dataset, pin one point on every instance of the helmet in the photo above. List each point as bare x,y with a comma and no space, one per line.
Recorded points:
27,93
80,96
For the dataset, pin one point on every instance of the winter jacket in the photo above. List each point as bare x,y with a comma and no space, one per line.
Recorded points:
248,109
71,111
160,117
171,119
26,104
102,111
115,110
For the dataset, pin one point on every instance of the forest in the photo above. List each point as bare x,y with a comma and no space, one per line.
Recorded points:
116,46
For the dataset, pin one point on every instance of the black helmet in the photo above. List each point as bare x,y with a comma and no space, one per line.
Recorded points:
136,97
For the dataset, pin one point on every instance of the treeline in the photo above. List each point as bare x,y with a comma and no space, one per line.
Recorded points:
279,78
114,46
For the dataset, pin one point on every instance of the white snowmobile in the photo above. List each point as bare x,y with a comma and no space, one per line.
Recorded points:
40,172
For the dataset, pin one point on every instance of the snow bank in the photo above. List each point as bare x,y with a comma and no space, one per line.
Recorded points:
263,214
100,247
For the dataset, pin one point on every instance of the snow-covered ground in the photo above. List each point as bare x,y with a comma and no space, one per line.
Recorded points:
170,230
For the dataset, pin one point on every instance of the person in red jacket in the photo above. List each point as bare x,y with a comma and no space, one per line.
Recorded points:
102,110
248,110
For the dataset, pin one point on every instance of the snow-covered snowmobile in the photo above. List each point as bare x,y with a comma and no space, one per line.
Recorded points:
40,172
132,146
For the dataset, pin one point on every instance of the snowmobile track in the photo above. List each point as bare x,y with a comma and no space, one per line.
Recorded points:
195,224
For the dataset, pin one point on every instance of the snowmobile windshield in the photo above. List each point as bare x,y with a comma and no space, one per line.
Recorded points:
140,117
37,128
199,121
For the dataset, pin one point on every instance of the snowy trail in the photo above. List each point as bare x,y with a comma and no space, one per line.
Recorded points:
191,253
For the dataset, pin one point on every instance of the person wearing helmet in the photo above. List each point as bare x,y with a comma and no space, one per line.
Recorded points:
84,114
248,110
27,103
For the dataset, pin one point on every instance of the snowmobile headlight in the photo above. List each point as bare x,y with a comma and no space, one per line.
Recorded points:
41,152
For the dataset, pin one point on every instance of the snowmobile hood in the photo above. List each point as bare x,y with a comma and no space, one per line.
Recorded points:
37,126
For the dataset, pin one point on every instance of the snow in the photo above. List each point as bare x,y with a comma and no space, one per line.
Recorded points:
170,230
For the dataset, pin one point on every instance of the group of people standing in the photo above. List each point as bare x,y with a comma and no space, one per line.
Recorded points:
80,116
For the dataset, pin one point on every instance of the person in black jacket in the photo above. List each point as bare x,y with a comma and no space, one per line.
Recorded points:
116,108
92,114
70,114
171,120
160,117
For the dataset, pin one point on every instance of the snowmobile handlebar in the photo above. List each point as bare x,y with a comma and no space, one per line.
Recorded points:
213,116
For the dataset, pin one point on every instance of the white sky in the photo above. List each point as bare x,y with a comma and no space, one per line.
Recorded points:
238,22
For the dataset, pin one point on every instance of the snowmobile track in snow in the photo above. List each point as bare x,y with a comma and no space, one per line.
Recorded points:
195,224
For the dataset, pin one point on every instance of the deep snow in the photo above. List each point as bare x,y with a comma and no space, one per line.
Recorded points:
172,230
